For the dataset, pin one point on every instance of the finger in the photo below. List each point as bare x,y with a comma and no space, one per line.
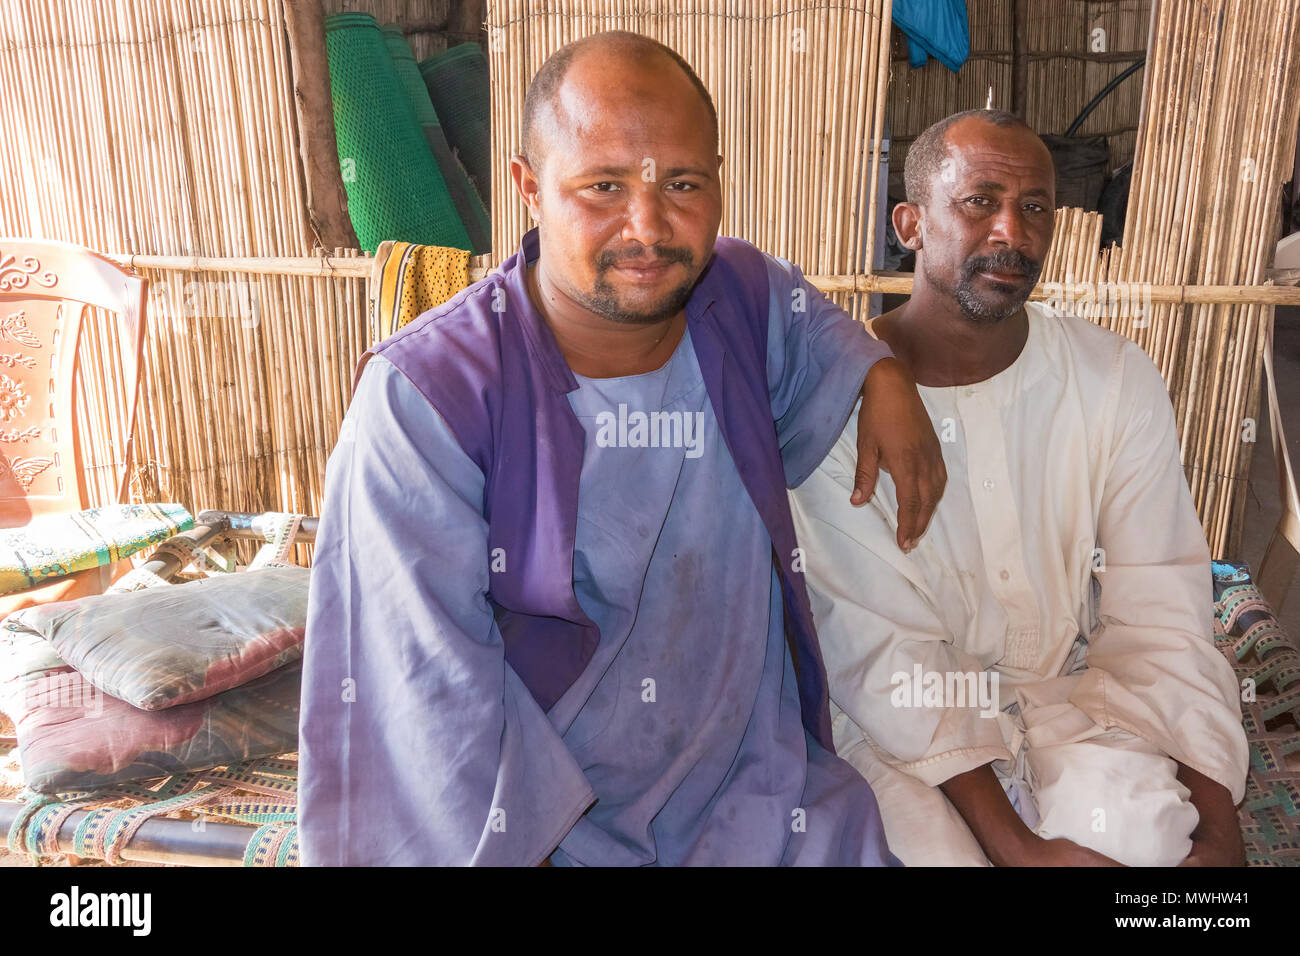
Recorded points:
865,475
930,486
908,509
931,490
911,498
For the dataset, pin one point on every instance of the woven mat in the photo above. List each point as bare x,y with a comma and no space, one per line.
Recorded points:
261,794
1267,664
394,186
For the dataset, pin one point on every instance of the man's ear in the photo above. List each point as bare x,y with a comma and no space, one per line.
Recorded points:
907,224
528,185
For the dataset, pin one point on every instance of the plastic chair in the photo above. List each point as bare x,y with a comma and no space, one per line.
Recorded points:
46,289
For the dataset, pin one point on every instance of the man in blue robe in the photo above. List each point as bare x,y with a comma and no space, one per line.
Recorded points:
557,610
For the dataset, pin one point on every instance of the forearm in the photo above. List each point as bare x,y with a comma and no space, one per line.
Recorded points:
1218,830
983,804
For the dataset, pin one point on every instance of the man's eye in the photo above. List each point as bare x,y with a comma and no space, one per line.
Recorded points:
686,187
1034,207
979,200
599,187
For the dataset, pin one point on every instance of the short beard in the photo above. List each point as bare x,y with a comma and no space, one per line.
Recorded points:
977,309
603,301
603,298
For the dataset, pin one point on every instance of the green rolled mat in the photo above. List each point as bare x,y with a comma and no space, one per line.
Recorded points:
395,189
472,214
457,81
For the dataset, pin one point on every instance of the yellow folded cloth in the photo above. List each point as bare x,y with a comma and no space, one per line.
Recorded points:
409,279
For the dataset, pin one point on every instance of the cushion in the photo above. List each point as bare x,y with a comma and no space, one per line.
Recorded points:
50,546
73,736
169,646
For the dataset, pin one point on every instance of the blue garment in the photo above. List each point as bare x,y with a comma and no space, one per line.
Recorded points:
488,362
696,758
420,744
937,28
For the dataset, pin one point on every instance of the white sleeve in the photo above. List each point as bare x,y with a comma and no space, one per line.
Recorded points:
1153,669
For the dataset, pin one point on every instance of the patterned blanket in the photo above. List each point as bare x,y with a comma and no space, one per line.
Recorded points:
1267,664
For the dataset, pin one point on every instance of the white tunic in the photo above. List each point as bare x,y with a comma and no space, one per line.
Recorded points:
1063,481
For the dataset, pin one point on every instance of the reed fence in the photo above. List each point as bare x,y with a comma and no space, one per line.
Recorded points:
162,132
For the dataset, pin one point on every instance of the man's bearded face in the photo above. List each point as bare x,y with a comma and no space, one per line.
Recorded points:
991,287
630,191
611,298
987,224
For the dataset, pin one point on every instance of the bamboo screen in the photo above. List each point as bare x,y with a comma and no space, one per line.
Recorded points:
799,92
163,127
1222,104
1073,49
422,21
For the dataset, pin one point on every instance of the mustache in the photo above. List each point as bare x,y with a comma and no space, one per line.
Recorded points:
664,256
1004,260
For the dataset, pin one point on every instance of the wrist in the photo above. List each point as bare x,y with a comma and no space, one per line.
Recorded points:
1220,848
1020,847
982,803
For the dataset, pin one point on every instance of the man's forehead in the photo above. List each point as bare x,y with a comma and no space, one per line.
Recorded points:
603,96
611,140
599,89
588,101
1001,160
599,125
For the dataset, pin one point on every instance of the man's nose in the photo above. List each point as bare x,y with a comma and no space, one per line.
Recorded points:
647,220
1008,228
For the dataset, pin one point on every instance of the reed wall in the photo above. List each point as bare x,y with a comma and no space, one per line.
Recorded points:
1073,49
165,127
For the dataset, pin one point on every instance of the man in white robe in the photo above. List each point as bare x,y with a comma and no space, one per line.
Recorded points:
1035,683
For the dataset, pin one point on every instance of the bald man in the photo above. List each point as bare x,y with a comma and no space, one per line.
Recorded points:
1036,683
557,611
